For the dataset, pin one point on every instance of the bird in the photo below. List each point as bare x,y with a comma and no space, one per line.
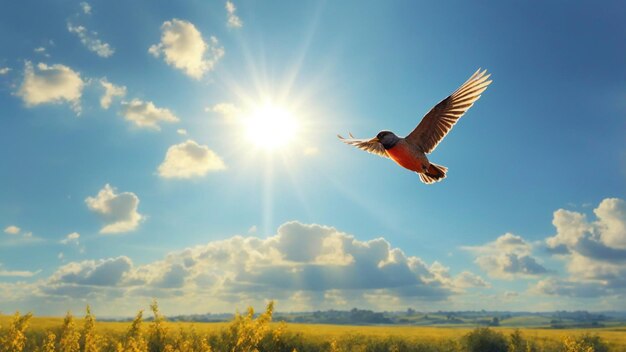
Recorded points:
410,151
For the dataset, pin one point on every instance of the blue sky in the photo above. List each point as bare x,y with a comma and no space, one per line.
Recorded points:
131,170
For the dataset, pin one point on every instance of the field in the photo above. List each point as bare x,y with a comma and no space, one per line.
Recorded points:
256,332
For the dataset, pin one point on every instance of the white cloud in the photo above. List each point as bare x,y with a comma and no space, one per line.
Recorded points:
16,273
312,266
71,238
41,50
467,279
18,237
107,272
118,210
507,257
509,265
4,70
233,20
227,110
91,41
51,84
250,270
505,243
301,266
570,226
189,159
181,131
146,115
611,224
86,8
604,238
184,48
594,251
110,91
12,230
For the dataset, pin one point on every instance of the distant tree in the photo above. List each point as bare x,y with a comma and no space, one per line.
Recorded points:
495,321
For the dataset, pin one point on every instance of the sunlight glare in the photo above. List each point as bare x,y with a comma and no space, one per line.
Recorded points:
271,127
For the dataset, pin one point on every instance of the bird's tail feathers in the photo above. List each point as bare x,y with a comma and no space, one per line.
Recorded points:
434,174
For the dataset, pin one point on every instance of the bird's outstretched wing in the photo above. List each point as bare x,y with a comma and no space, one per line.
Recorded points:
440,119
369,145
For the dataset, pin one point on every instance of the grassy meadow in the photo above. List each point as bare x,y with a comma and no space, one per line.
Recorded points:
257,332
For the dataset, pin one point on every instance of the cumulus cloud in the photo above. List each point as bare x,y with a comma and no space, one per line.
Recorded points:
303,266
302,258
118,210
233,20
571,226
104,272
184,48
12,230
594,251
71,238
110,91
146,115
507,265
507,257
51,84
467,279
4,70
603,239
91,41
181,131
611,223
189,159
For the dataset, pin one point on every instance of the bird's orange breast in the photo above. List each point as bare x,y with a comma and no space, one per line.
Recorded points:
405,156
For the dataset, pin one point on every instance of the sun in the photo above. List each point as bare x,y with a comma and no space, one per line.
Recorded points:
271,127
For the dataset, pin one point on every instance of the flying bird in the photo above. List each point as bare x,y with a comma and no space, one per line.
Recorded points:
410,151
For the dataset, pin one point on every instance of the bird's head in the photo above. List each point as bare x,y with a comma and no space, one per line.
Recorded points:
387,138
